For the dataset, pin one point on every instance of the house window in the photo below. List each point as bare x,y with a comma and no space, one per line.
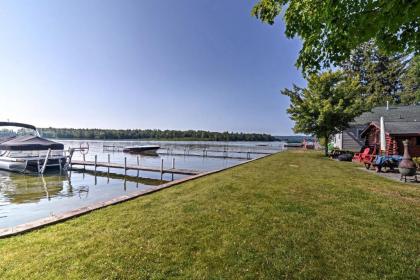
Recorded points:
359,133
418,140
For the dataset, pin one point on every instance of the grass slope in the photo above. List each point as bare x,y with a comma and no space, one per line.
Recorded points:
292,215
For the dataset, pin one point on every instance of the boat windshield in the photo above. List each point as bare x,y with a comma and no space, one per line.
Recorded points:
7,132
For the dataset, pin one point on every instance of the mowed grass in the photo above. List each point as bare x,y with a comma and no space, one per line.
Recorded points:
291,215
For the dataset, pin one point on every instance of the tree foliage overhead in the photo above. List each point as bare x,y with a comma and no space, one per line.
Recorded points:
380,75
411,82
330,29
327,106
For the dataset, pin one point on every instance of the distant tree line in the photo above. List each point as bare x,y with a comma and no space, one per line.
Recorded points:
151,134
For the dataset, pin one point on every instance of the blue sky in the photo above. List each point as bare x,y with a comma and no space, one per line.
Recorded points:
185,64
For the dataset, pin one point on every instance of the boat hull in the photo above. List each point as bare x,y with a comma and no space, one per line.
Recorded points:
14,166
145,150
32,165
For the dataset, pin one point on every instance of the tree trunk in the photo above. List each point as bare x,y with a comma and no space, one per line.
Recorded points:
326,145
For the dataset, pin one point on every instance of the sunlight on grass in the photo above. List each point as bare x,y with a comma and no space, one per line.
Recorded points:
289,215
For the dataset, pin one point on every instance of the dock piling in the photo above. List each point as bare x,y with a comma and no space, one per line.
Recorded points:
109,161
125,166
173,167
138,164
161,169
96,162
84,159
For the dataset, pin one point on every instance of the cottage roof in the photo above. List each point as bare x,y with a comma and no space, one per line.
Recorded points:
397,128
410,113
402,127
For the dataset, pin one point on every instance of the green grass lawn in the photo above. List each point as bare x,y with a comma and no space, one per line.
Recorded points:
291,215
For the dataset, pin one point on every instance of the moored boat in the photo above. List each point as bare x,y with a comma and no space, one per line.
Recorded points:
23,150
143,149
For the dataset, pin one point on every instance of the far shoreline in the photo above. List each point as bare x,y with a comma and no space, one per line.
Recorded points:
163,140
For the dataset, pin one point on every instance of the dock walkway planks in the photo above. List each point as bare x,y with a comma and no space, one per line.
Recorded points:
136,167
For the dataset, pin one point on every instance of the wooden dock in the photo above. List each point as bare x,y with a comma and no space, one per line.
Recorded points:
201,155
213,154
96,164
239,152
204,150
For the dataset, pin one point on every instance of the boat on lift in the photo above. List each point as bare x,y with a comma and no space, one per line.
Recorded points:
22,149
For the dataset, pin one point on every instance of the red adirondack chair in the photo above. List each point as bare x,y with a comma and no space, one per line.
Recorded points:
360,156
369,159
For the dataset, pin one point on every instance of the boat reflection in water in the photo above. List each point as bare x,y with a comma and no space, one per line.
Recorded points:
19,188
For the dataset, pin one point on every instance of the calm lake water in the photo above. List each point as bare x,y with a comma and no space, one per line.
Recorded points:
24,198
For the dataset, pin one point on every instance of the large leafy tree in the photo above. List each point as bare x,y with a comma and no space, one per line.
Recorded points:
326,106
411,82
330,29
379,74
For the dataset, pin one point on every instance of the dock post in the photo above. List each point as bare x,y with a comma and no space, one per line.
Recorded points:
125,166
161,170
138,170
96,161
173,167
109,161
84,160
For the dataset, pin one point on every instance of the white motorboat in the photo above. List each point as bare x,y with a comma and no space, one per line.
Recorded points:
23,150
143,149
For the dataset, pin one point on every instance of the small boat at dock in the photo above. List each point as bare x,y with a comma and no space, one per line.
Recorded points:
143,149
293,145
23,150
